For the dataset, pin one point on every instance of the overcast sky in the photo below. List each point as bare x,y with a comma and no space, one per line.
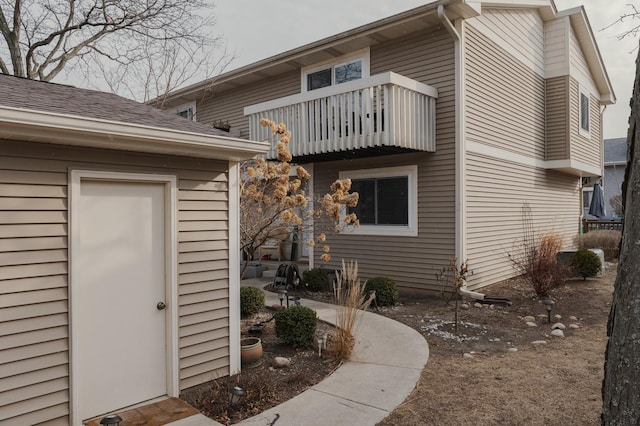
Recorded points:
257,29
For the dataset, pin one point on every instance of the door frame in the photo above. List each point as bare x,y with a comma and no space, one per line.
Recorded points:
171,271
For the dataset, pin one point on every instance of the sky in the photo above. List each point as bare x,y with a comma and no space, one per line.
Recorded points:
257,29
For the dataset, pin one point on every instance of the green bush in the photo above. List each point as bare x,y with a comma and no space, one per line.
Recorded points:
296,326
385,288
251,300
606,239
585,263
316,279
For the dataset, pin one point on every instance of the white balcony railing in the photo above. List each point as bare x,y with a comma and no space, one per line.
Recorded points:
384,110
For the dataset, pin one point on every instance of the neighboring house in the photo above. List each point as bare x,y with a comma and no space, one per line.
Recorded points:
615,163
448,118
118,253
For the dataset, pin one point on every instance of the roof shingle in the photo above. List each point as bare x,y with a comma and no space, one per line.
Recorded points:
56,98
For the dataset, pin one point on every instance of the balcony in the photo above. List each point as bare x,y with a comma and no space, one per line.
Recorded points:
384,113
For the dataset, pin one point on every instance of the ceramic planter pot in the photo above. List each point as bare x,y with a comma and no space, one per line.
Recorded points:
251,352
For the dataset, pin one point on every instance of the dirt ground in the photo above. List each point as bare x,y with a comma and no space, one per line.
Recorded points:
504,379
266,386
557,383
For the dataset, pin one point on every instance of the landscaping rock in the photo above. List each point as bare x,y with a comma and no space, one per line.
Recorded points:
464,306
529,318
574,326
478,305
539,342
573,318
281,362
467,356
557,333
531,324
558,326
557,316
513,349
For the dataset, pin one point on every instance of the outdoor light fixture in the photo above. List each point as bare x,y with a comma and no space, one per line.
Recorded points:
111,419
324,341
548,303
319,346
281,294
235,393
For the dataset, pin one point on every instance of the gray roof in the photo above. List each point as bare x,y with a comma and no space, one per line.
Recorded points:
615,150
34,95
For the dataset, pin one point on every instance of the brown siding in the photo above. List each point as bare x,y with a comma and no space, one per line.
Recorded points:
412,261
557,92
496,192
585,149
229,105
34,346
505,99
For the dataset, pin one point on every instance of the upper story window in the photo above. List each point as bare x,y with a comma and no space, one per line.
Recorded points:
388,199
187,111
584,114
337,71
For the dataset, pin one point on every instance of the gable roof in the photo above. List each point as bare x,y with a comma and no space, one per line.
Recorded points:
615,151
376,32
55,113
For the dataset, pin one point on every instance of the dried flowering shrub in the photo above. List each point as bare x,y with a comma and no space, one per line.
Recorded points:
273,196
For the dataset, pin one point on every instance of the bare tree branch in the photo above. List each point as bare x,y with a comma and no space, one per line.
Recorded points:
108,37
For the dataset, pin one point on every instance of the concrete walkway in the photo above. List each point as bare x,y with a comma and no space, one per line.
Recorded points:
385,366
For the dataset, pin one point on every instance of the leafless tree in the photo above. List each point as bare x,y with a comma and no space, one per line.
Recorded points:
621,385
126,44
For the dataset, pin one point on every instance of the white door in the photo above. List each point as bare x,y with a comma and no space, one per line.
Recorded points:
119,340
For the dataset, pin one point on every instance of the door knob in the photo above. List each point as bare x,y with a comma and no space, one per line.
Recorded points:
160,306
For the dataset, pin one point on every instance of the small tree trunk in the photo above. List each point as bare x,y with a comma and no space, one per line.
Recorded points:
621,386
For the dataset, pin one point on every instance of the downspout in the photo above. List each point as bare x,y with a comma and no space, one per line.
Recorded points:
461,148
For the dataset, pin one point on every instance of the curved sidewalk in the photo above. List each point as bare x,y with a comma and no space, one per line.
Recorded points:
386,364
384,368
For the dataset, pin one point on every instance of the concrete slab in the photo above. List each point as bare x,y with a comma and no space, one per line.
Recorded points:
313,408
196,420
380,386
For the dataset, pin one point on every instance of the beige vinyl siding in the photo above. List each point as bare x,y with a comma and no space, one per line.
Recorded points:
557,92
496,193
505,100
582,148
229,105
412,261
579,67
34,322
518,31
556,40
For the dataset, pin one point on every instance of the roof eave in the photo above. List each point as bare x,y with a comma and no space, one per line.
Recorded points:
455,9
579,19
40,126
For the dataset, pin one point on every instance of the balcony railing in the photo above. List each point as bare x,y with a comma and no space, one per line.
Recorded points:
384,110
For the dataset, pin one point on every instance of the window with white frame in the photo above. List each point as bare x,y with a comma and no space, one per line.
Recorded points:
187,111
340,70
584,113
388,200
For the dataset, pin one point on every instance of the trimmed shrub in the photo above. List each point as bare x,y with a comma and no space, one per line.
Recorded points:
251,300
316,279
385,288
585,263
607,240
296,326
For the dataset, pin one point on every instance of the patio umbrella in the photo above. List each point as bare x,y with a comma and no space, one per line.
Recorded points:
597,202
